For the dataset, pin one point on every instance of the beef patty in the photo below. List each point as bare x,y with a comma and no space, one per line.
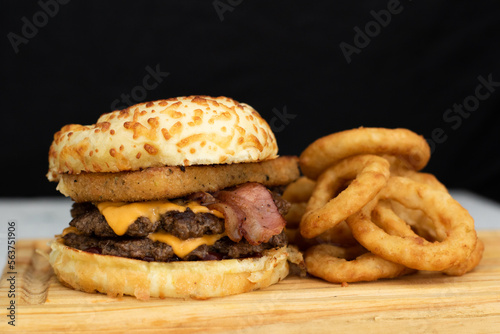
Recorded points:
148,250
96,236
184,225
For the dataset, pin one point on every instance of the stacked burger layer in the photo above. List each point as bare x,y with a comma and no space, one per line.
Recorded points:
173,198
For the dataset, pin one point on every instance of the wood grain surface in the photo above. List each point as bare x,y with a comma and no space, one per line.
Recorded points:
421,303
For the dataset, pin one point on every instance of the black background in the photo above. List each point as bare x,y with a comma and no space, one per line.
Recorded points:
274,55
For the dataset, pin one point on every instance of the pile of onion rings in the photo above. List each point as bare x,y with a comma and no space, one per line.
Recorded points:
363,210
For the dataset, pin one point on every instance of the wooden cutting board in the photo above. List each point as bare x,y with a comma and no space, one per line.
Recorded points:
421,303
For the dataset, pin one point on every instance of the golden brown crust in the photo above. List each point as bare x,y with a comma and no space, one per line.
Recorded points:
299,191
328,150
339,235
118,276
297,194
338,264
172,182
183,131
469,264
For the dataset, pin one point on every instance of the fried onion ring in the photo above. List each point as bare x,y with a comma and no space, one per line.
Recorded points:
339,235
297,194
396,219
403,168
329,150
424,178
299,191
169,182
411,252
420,223
384,217
338,265
470,263
326,209
295,213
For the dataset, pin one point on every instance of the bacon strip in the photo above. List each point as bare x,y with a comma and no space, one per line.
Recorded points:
233,218
249,212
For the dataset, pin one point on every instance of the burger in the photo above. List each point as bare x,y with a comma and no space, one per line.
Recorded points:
172,198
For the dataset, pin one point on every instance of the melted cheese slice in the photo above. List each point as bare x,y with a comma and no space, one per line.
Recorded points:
181,247
120,215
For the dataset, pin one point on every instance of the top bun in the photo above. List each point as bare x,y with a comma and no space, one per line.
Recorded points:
183,131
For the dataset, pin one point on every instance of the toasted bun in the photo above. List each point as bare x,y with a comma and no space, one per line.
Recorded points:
183,131
118,276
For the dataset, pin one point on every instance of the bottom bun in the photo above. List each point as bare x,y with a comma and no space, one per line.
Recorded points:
117,276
